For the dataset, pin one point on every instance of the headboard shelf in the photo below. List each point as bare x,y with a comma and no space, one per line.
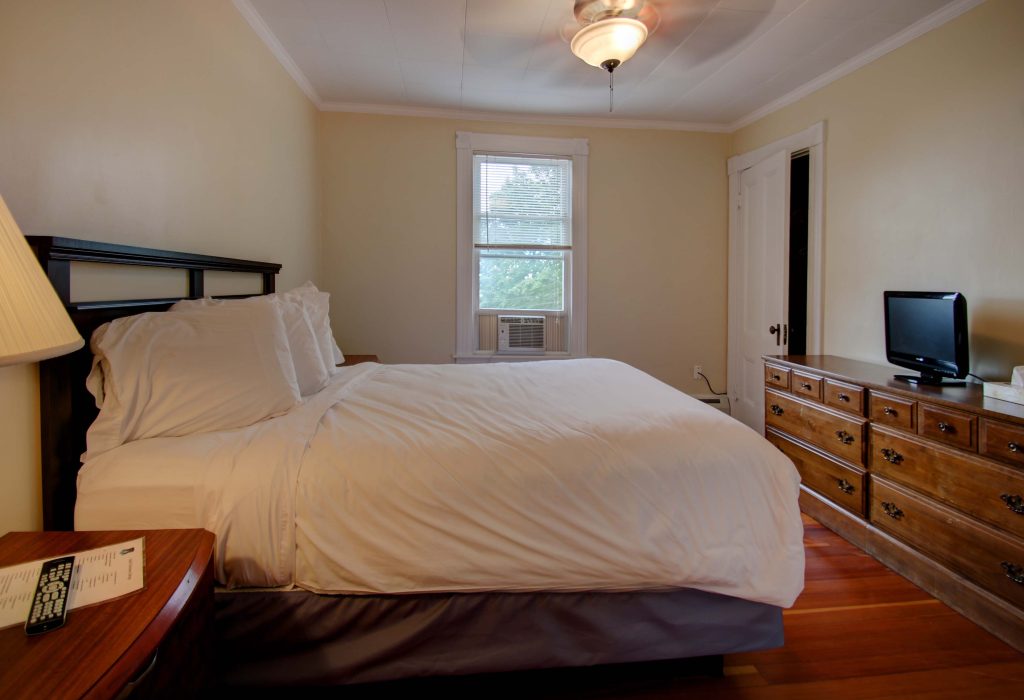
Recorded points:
56,255
66,407
136,303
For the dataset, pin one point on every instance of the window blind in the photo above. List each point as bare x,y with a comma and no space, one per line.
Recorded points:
522,202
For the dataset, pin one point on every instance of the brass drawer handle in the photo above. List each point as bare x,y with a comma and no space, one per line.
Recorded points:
1014,503
891,455
892,510
842,397
776,377
805,385
889,411
776,409
845,486
945,428
1014,447
1013,572
844,437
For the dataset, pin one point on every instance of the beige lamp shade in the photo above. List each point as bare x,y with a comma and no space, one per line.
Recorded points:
612,39
33,322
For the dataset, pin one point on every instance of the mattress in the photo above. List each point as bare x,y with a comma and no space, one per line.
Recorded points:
543,476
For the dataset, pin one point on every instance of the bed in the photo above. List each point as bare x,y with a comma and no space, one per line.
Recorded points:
408,520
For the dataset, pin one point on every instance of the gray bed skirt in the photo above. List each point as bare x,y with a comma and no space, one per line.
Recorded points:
272,638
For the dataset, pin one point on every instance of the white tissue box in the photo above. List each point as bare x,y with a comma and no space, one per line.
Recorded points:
1005,391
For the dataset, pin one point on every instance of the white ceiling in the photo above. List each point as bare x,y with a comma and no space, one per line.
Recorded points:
713,64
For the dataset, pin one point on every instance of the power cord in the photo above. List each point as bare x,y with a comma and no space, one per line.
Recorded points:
708,382
972,374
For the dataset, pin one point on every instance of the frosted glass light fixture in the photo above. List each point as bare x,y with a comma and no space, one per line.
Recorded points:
33,322
611,34
608,43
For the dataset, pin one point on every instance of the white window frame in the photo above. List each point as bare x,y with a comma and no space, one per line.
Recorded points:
467,144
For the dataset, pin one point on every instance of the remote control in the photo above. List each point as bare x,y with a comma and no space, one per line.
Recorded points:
48,605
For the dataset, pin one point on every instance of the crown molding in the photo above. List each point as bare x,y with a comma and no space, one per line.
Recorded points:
263,32
517,118
922,26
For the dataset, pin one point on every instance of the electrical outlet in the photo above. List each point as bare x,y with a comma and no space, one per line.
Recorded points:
697,369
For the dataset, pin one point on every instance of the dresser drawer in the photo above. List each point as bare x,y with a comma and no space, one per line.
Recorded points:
980,553
846,397
975,486
1002,441
776,376
893,411
947,425
807,385
841,435
838,482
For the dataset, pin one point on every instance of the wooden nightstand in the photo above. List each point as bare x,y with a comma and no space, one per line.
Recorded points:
358,359
158,641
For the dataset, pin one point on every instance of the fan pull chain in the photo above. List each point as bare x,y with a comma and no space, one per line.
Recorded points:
610,65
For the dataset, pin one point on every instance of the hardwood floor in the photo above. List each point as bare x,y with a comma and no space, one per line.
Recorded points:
858,631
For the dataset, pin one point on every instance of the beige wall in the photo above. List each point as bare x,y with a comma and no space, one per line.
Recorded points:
925,183
164,123
657,241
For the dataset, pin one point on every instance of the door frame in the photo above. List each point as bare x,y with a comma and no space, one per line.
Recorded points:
811,139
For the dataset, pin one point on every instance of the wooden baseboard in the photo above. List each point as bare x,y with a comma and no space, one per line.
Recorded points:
978,605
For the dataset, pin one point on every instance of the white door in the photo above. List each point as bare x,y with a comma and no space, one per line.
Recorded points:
758,274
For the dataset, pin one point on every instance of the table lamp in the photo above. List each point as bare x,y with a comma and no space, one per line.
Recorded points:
33,322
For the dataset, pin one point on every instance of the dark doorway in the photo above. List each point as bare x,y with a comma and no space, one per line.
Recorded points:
799,198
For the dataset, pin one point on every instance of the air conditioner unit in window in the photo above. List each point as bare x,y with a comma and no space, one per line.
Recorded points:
523,334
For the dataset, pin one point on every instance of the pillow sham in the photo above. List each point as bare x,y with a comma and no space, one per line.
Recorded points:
173,374
94,382
311,371
317,304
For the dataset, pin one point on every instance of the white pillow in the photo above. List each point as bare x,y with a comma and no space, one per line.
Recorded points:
94,382
317,305
172,374
311,371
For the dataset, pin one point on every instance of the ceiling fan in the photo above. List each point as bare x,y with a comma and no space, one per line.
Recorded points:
611,32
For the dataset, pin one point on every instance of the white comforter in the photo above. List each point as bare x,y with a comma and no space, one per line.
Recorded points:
563,475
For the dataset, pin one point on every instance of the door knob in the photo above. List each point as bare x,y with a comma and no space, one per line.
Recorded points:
776,330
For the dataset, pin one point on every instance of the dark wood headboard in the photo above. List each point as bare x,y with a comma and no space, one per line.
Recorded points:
66,407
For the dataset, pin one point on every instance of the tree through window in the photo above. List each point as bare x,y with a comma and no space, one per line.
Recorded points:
522,231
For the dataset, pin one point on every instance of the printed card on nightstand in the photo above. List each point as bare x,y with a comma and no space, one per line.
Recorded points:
100,575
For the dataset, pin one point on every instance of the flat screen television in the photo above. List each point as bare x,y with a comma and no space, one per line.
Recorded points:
927,332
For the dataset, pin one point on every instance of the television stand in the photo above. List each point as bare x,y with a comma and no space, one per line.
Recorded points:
926,379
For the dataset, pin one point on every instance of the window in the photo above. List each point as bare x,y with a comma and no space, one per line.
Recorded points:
522,230
522,240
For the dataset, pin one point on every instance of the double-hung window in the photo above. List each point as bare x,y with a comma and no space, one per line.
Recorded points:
522,244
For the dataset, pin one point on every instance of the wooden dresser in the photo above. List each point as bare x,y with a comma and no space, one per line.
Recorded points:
928,480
